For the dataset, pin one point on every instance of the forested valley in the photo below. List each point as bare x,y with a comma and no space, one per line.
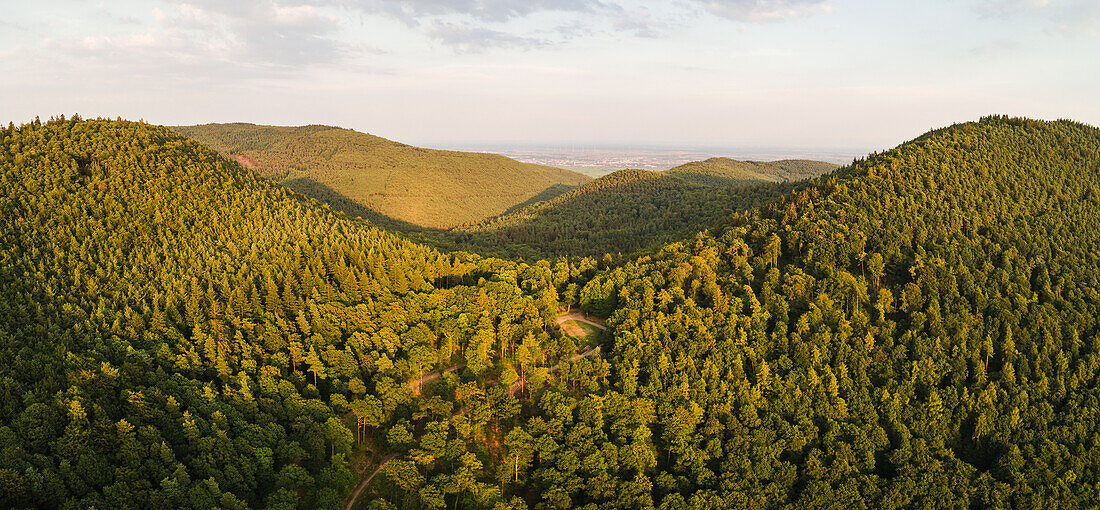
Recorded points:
916,329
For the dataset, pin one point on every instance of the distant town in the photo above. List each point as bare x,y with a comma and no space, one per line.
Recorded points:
600,160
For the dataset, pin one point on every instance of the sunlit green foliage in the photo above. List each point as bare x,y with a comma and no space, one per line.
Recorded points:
179,332
390,183
730,172
918,329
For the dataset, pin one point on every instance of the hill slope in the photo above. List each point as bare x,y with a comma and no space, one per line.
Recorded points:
382,180
729,172
919,330
179,332
630,210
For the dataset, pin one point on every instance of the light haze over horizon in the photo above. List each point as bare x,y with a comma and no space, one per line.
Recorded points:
853,75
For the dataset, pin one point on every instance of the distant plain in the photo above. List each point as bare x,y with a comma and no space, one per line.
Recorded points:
599,160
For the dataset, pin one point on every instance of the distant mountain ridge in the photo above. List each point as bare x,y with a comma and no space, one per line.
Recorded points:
388,182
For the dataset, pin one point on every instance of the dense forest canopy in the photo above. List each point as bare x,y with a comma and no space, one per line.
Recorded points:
920,329
917,329
180,332
632,210
727,172
392,184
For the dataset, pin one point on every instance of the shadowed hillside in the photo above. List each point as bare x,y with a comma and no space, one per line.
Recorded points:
630,210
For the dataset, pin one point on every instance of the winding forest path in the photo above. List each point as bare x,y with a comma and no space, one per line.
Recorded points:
577,315
416,384
515,387
363,485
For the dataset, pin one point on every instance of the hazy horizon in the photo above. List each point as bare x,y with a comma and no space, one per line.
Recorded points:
600,159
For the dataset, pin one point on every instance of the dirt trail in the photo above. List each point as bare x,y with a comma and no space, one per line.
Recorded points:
515,387
416,384
363,485
578,316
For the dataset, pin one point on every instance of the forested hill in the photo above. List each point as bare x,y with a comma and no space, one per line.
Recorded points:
629,210
178,332
727,172
918,330
390,183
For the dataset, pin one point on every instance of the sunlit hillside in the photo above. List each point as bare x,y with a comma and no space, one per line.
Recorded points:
391,183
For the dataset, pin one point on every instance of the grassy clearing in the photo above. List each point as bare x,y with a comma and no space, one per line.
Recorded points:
583,332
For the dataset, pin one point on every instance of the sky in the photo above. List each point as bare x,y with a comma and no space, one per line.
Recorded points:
860,75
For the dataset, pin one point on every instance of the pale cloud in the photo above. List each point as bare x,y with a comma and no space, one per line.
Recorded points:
172,54
7,25
1075,17
208,40
1082,18
273,37
763,10
639,22
478,26
475,39
493,11
1007,8
997,48
265,33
